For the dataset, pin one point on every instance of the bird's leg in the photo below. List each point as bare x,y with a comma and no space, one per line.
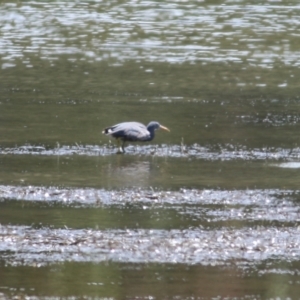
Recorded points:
123,146
119,147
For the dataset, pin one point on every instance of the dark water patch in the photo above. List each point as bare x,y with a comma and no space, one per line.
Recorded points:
147,281
216,152
21,245
132,171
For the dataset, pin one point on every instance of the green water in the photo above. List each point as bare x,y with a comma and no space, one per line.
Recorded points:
222,75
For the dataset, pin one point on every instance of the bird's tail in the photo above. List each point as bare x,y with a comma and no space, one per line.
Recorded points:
107,130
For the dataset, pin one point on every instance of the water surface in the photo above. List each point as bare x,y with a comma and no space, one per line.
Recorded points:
209,210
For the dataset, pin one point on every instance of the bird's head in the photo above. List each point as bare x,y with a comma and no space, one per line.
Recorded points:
155,125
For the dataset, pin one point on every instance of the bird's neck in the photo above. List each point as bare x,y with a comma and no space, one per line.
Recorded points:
152,134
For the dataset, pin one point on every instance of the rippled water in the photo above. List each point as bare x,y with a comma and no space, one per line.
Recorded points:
209,210
154,246
228,152
174,32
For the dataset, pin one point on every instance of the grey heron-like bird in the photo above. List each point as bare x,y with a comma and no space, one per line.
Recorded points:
133,132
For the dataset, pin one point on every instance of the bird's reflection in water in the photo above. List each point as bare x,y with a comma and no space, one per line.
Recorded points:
130,174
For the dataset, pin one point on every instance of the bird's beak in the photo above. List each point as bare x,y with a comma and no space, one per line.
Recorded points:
164,128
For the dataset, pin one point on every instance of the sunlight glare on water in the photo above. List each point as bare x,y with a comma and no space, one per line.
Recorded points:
209,210
172,32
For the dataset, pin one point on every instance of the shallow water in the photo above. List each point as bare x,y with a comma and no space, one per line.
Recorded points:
209,210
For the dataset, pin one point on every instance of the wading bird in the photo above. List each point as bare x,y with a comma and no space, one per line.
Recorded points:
133,132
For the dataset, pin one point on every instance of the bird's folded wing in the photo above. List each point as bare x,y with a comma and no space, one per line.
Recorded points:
137,134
